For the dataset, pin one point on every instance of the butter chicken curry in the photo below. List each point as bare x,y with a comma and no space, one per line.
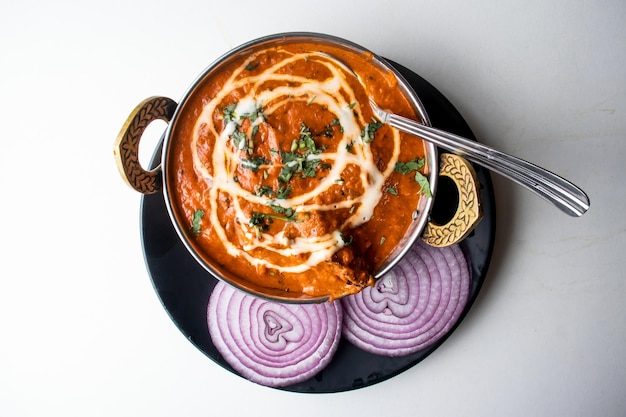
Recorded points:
284,177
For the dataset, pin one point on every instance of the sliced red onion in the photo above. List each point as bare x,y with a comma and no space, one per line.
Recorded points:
411,307
270,343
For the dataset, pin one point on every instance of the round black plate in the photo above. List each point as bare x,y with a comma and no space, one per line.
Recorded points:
183,286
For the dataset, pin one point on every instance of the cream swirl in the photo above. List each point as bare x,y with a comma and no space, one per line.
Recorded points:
272,90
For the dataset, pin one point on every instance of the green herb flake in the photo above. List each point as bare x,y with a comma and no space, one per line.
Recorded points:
308,167
392,190
253,164
287,172
283,192
196,221
258,219
229,112
408,167
368,132
262,221
414,166
251,66
256,114
240,140
328,130
305,140
423,182
264,190
290,214
298,159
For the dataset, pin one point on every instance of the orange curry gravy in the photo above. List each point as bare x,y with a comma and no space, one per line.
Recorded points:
283,176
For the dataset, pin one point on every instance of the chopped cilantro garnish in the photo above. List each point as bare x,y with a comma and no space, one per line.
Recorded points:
408,167
195,222
414,166
262,221
240,140
253,164
290,214
258,219
392,190
328,130
229,112
251,66
283,192
308,167
287,172
299,158
265,190
368,132
305,141
423,182
287,157
253,115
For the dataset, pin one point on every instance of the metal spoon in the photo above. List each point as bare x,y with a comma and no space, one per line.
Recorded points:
558,191
563,194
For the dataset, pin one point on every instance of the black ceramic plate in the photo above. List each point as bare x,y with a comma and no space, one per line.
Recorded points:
183,286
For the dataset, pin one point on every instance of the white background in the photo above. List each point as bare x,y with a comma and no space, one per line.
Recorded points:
82,332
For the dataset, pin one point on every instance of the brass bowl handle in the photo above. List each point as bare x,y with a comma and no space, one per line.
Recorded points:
469,210
126,147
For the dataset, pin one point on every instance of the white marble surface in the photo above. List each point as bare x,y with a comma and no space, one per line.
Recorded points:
82,331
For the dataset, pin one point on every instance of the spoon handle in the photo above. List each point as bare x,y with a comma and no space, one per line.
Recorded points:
556,190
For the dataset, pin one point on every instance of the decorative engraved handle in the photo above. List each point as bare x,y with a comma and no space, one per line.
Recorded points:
468,212
126,148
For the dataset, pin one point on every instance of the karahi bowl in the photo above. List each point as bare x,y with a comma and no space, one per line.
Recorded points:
163,178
